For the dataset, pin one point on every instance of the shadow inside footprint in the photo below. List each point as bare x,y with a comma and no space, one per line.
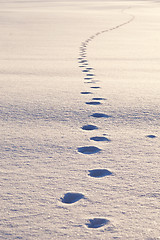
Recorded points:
98,98
90,74
151,136
100,139
97,222
72,197
93,103
100,115
89,150
89,127
95,87
86,93
98,173
83,61
89,68
88,82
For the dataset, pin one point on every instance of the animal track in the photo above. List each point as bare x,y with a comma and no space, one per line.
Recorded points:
86,93
70,198
151,136
93,103
88,82
98,173
100,115
83,61
97,222
89,150
89,127
89,78
99,139
90,74
95,87
89,68
98,99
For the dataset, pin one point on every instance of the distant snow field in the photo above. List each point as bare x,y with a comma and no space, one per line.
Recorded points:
80,119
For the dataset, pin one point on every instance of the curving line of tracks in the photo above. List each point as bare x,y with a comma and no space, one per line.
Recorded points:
71,197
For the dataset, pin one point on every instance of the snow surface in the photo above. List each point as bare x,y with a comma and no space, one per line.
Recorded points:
52,56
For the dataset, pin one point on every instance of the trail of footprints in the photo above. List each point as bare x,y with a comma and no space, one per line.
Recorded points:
94,173
89,78
71,197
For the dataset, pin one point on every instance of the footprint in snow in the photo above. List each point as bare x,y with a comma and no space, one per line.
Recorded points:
97,222
98,173
90,74
93,103
88,82
151,136
89,127
83,60
86,93
95,87
100,139
98,99
100,115
70,198
89,68
87,78
89,150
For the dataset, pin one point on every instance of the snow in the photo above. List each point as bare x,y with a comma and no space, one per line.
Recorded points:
51,109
